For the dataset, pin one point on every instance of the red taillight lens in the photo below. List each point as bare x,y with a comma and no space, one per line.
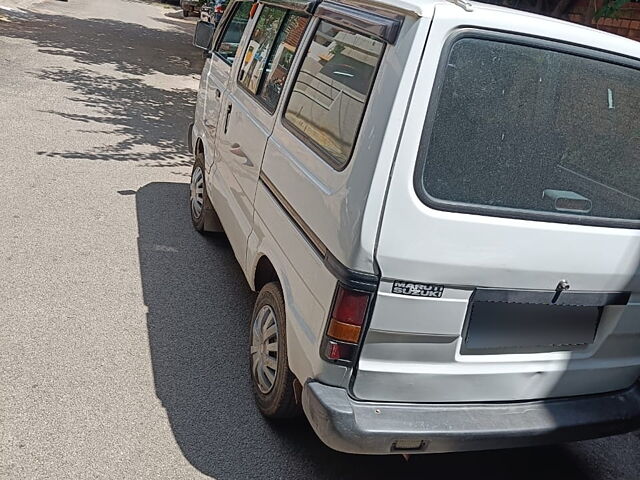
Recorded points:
350,307
338,350
345,323
219,9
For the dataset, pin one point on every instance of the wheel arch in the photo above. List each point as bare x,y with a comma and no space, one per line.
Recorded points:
199,149
268,265
263,273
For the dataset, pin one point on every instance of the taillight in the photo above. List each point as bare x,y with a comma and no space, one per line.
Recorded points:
219,9
346,322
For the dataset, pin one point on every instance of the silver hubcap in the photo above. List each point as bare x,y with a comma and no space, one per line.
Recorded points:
264,349
197,192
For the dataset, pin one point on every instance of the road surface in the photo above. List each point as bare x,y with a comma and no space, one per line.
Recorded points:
123,333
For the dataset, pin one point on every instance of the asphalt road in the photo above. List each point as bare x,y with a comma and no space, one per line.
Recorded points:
123,333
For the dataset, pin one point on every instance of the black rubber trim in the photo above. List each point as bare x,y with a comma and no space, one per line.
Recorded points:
388,11
388,336
190,137
382,27
546,297
353,426
352,279
506,212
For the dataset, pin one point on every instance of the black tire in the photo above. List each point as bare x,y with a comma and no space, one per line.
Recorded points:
199,220
280,401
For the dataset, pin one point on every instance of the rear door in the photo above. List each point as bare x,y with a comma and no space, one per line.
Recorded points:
249,116
509,247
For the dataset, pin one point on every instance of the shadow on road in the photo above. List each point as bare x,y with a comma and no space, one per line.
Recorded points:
198,309
124,76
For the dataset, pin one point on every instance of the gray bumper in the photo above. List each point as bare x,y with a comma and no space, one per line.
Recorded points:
190,138
353,426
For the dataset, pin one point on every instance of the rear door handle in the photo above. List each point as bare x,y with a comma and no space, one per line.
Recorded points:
226,120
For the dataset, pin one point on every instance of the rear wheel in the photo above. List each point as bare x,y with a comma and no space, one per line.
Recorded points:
272,378
198,199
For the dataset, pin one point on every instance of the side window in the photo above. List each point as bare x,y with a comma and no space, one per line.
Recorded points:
330,94
270,52
230,40
280,59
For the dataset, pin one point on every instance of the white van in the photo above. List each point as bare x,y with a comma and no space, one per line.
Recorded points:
438,203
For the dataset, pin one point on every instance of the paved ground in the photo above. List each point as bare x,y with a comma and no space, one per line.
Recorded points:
122,332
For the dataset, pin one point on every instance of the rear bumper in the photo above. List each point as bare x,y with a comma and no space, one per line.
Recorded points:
352,426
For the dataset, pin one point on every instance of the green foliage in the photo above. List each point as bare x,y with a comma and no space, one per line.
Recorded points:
612,8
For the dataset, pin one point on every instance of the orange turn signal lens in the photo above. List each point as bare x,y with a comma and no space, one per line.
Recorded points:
344,331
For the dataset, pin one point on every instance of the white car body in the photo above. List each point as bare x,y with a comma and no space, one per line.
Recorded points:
364,225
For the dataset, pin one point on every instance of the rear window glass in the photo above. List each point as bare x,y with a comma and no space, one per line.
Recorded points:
524,128
330,95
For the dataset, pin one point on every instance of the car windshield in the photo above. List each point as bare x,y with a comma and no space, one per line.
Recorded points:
529,129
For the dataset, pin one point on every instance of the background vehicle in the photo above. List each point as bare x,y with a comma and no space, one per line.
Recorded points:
438,205
206,11
212,11
190,7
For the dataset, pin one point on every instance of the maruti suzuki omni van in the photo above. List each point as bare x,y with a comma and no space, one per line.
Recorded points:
438,204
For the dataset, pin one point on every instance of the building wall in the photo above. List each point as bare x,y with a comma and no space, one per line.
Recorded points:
626,24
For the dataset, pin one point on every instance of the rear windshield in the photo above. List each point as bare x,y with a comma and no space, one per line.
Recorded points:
522,130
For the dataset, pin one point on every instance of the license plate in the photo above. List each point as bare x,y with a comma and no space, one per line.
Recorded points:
515,321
